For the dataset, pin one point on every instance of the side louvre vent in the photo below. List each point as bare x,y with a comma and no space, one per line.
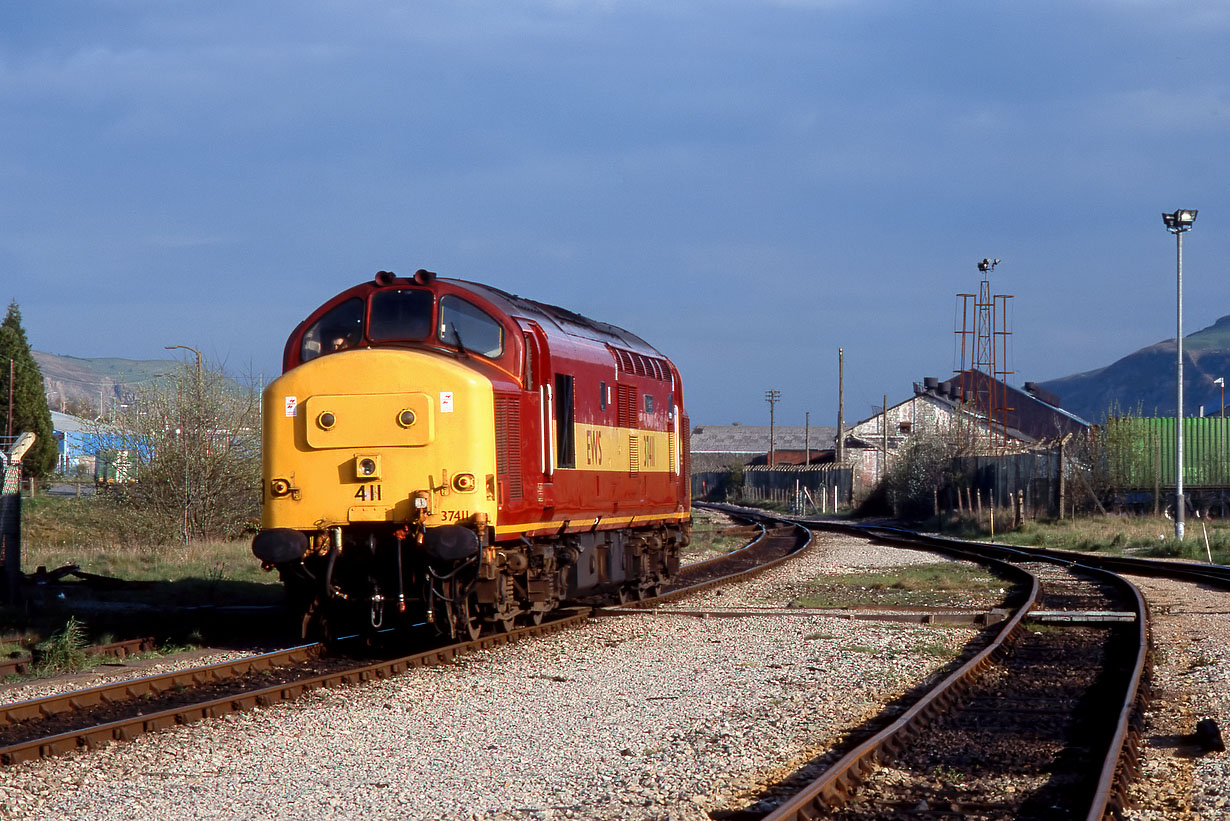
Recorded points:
508,443
634,455
625,411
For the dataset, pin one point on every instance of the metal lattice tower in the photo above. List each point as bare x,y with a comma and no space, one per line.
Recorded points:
983,371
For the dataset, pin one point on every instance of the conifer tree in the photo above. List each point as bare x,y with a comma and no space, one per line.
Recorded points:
28,411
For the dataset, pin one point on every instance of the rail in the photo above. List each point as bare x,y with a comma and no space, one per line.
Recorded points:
1109,799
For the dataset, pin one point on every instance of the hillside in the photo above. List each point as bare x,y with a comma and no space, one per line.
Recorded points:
75,384
1144,381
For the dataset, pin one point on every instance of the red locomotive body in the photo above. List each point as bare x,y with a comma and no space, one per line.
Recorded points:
538,456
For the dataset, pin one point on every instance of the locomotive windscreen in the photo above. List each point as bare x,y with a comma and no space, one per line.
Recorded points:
400,314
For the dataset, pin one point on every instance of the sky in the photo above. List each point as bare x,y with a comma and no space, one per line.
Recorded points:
749,186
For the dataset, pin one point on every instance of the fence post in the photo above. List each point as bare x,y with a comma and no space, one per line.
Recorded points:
10,517
1063,489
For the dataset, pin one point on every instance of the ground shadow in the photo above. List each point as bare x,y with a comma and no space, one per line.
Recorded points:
211,611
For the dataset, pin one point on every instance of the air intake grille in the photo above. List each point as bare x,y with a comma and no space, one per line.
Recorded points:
508,443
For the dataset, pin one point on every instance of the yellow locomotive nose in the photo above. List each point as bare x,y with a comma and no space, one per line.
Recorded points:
351,437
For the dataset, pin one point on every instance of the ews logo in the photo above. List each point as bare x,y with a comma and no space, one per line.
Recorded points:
593,447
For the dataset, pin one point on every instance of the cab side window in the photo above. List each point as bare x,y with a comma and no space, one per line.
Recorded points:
468,327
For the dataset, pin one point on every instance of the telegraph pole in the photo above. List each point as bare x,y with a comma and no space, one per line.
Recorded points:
807,438
772,397
841,406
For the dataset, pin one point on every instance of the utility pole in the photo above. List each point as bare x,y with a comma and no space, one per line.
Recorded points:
841,406
884,433
807,438
772,397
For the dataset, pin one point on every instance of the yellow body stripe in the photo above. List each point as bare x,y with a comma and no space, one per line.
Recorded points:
623,450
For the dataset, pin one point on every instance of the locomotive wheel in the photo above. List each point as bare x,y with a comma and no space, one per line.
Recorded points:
467,621
315,625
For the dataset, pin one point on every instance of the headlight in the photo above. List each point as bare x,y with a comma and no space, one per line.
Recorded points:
366,467
278,488
464,482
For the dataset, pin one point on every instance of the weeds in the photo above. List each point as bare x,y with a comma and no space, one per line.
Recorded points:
858,648
64,652
1151,536
947,774
909,585
934,650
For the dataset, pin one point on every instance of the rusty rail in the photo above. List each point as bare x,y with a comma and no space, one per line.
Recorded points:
128,728
152,686
832,787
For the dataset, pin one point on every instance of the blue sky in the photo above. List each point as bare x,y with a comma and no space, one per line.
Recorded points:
747,185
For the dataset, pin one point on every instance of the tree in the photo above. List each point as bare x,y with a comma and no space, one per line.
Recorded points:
192,444
21,379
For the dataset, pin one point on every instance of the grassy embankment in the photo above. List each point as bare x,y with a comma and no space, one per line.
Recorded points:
1147,536
160,574
98,537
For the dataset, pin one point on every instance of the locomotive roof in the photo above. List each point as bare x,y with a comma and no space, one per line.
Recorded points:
566,321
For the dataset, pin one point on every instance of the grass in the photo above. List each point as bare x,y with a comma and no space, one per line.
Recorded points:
708,535
160,575
1148,536
64,652
933,650
90,532
905,586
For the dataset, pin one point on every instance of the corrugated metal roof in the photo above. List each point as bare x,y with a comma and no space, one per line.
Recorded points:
754,439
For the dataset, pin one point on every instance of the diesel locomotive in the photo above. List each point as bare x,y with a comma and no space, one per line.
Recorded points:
440,452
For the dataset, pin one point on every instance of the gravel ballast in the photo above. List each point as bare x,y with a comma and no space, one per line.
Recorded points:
633,716
649,715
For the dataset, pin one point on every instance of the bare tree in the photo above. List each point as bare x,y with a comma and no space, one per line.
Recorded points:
188,449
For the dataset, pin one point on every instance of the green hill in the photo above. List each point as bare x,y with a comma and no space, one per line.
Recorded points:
1144,382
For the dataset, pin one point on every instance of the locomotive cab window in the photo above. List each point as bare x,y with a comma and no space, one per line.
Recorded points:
340,328
400,313
466,326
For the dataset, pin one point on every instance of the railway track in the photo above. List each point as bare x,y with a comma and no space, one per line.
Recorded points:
1042,723
58,724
